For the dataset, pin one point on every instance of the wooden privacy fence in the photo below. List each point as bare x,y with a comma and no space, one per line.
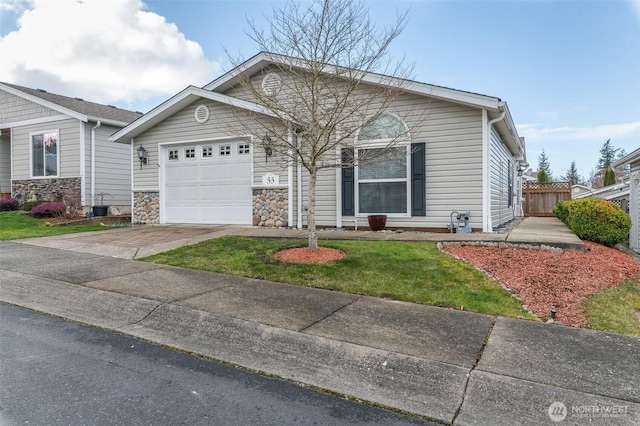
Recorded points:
541,198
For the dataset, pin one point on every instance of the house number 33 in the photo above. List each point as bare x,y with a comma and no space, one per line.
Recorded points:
270,179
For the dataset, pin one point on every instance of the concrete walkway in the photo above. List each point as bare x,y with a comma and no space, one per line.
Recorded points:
144,240
450,366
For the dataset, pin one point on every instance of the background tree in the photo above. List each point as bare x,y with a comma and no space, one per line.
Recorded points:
573,176
608,154
544,169
609,177
327,50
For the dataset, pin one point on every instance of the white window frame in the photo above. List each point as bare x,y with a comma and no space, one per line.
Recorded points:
244,148
225,150
186,150
208,148
31,154
171,151
406,180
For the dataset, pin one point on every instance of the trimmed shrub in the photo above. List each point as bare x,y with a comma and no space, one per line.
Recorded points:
50,209
9,204
561,210
29,205
598,220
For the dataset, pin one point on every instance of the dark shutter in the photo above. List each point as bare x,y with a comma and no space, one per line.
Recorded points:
348,182
418,180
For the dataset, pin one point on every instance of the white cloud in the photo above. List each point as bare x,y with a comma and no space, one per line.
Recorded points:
603,132
105,51
579,144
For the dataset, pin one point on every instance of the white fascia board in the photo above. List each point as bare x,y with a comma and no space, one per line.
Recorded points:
174,104
108,121
627,159
33,121
247,65
44,103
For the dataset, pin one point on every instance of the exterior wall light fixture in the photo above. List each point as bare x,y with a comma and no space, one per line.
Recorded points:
142,155
266,143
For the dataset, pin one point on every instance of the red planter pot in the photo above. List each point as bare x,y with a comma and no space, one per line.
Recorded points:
377,222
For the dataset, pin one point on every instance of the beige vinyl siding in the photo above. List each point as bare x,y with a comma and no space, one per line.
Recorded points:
69,147
5,164
14,108
453,147
113,168
501,166
223,122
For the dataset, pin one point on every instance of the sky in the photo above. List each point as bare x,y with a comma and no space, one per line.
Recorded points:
569,70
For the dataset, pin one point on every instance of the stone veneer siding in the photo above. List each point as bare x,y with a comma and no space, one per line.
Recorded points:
146,207
271,207
48,189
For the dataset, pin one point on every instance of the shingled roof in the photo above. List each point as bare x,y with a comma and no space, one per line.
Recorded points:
89,109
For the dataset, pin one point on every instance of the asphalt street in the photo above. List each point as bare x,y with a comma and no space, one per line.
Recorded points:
55,372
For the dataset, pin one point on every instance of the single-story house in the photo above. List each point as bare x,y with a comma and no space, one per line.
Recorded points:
617,193
633,160
201,165
54,147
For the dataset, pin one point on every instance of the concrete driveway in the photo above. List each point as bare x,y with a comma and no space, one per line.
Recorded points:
132,242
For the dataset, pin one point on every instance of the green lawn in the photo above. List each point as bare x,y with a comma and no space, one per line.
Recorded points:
413,272
18,224
615,309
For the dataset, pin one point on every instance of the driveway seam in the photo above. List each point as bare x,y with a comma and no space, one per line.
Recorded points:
473,367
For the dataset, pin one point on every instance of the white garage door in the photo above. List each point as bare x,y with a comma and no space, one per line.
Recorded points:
208,183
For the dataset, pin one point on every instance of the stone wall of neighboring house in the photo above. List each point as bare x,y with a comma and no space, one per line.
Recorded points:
271,207
53,189
146,207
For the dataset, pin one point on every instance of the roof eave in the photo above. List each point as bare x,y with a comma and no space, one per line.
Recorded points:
186,97
45,103
627,159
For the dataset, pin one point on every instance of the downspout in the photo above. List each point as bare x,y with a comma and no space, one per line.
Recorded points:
93,162
83,165
299,185
290,137
486,167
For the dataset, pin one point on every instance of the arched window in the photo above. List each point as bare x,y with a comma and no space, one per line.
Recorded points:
383,171
386,126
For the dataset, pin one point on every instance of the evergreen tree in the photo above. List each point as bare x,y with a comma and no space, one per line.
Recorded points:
543,166
543,177
573,176
608,154
609,177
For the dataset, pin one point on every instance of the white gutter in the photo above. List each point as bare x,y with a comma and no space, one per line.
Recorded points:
290,137
83,166
132,186
486,168
299,185
93,162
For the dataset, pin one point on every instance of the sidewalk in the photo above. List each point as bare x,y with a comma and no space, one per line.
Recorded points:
451,366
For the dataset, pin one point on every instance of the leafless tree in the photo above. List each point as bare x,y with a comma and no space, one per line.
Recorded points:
339,77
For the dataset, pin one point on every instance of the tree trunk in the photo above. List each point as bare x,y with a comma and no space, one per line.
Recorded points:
311,212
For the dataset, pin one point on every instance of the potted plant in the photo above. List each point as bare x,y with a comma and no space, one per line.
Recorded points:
101,209
377,222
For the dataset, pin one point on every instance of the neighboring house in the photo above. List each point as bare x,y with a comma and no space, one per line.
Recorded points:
633,160
57,147
618,193
463,153
579,191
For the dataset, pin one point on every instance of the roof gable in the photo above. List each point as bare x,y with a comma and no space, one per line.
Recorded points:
74,107
176,103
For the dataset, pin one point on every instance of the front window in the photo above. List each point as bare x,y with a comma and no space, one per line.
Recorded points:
44,154
383,178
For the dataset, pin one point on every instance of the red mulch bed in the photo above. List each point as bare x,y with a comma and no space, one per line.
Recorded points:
561,280
304,255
